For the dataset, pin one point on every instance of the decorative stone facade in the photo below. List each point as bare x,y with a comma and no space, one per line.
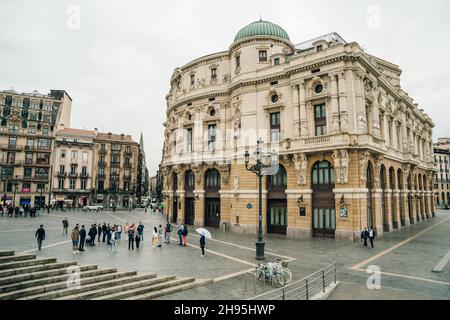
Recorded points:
354,149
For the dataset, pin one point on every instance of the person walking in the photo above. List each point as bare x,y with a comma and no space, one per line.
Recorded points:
82,238
113,240
74,237
40,236
364,236
167,232
372,235
119,232
140,230
184,235
104,231
131,237
138,240
108,235
99,232
93,234
160,235
180,228
155,237
202,244
65,224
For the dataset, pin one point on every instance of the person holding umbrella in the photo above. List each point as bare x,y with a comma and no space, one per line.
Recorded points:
203,234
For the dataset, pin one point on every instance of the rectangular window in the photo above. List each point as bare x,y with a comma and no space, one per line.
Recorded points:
319,48
211,137
45,131
126,186
72,184
262,56
84,170
238,61
33,116
27,172
128,149
32,130
192,79
12,142
26,187
73,169
30,143
276,61
275,127
320,120
63,154
13,128
44,144
115,147
74,155
213,73
62,169
43,158
28,158
101,185
61,184
83,184
189,140
101,171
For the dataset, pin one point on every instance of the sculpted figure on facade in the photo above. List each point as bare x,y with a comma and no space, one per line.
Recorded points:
196,168
363,163
301,166
225,172
341,163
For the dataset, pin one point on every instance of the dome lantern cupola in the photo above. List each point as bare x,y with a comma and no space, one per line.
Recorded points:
262,28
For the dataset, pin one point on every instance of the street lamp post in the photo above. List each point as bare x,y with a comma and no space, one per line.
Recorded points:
15,182
258,170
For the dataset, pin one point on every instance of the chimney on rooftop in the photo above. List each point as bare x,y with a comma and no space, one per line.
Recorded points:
122,136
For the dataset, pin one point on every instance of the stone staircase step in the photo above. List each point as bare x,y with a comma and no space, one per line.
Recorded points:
40,274
170,290
25,263
170,281
88,284
54,279
35,268
6,253
17,258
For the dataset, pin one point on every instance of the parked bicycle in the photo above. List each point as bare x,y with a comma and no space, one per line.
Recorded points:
266,272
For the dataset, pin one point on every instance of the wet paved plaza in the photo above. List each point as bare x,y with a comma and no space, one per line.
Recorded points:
405,257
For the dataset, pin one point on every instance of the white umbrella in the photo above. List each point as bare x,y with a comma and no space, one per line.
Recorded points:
204,232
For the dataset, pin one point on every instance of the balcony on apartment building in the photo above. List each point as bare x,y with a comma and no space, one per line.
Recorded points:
102,152
14,163
102,164
11,147
61,174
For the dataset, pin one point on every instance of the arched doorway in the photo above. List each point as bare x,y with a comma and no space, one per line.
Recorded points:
212,198
324,209
384,213
393,199
189,198
369,186
175,198
277,202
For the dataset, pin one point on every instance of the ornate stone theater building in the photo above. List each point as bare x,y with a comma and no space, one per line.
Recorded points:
354,150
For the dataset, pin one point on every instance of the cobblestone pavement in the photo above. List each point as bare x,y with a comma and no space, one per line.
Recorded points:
405,257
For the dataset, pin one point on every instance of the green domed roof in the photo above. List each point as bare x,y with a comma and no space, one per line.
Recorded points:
262,28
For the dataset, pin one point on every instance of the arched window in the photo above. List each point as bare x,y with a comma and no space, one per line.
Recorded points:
212,179
278,181
322,174
189,180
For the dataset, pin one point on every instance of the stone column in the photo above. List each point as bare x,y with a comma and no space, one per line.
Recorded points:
343,108
303,115
388,217
394,134
376,130
199,219
296,110
181,205
334,105
360,107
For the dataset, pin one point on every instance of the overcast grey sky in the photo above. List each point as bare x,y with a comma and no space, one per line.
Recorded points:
116,66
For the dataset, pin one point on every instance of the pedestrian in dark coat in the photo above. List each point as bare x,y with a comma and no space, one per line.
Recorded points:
65,224
372,234
104,231
92,234
99,231
108,234
131,239
202,244
364,236
40,236
82,238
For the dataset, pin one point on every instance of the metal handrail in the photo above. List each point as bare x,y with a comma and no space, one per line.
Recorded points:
309,285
